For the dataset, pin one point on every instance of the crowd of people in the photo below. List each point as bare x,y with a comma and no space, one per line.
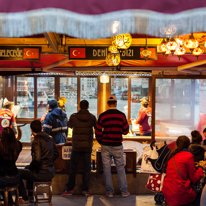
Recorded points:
184,168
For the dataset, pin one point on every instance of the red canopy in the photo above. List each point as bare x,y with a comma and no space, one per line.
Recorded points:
93,19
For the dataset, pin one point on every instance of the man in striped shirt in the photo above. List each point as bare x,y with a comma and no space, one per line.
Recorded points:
109,129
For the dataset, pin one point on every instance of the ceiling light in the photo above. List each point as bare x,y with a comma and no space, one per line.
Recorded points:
172,45
191,43
180,51
122,41
197,52
113,60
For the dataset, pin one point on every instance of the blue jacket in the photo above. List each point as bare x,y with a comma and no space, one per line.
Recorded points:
55,124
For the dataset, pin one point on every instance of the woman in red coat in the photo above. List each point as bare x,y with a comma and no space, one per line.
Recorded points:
176,190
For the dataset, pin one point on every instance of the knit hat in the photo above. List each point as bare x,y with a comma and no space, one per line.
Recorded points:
53,104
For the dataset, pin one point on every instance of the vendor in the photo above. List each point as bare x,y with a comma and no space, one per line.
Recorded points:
144,118
61,102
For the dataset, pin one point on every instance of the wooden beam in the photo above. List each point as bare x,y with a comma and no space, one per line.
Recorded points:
54,40
190,65
50,66
20,69
191,71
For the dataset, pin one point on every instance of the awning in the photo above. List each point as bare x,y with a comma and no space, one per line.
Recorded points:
94,19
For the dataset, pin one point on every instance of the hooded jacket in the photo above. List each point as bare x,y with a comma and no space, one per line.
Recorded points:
198,151
55,124
82,123
44,152
176,190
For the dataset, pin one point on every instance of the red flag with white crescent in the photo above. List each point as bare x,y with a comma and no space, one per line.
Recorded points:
79,53
31,53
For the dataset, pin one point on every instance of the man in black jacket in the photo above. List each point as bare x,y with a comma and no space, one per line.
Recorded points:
82,123
41,168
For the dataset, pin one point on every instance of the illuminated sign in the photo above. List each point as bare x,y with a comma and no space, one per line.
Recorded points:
100,53
19,53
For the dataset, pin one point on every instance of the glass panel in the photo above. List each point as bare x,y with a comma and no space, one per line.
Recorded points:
89,93
119,88
45,93
163,99
25,88
182,99
68,89
139,89
177,108
26,132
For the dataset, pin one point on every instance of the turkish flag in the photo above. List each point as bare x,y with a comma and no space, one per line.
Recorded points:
79,53
31,53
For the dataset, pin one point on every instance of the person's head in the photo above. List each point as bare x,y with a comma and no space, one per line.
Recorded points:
196,137
182,142
53,104
204,132
63,99
112,101
35,126
8,105
9,146
144,102
84,104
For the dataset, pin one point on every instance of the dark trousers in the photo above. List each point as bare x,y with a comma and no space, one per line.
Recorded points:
75,157
9,181
30,177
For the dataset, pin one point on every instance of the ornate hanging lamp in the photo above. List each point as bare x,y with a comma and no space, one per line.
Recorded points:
122,41
113,60
172,45
180,51
113,49
167,53
191,43
162,47
146,53
197,52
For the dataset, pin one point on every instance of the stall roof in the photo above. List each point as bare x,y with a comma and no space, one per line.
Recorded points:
93,19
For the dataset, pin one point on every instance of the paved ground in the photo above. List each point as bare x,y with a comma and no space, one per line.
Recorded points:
97,200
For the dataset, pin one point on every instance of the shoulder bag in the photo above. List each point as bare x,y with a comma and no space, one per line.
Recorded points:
196,187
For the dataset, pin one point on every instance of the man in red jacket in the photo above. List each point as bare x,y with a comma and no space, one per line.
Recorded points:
144,118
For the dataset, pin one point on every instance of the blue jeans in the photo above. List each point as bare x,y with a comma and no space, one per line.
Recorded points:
75,157
107,152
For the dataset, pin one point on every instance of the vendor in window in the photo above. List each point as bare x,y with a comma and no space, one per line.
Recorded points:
144,118
61,102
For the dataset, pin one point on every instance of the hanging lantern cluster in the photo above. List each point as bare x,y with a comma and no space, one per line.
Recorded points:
119,43
175,47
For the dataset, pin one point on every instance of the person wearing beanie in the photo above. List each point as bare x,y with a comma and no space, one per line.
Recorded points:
55,123
144,118
110,127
